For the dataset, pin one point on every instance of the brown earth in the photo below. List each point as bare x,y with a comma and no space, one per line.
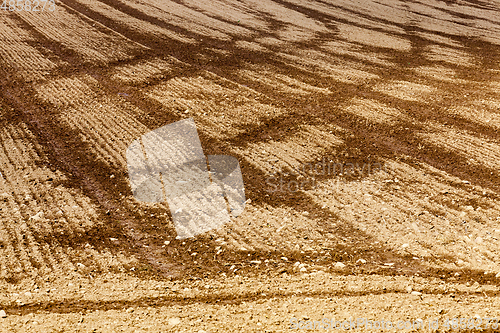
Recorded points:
404,95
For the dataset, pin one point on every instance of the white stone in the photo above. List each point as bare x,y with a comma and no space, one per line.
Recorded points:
3,314
174,321
38,217
416,293
363,261
339,265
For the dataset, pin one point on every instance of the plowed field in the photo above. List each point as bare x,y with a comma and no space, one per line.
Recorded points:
368,135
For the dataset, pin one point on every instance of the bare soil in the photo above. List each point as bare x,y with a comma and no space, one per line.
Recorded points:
401,97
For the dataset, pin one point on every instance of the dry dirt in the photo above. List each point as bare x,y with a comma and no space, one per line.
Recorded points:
404,95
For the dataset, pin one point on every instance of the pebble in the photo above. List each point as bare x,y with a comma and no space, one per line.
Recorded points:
363,261
3,314
405,245
38,217
498,275
416,293
460,262
303,269
409,289
174,321
339,265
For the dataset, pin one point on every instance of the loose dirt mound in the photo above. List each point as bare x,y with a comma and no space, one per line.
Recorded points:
367,134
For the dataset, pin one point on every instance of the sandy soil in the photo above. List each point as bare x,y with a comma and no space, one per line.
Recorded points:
367,134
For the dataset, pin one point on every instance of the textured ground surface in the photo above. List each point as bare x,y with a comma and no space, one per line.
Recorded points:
404,95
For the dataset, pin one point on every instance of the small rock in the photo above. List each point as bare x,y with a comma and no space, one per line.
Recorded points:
296,264
460,262
166,242
38,217
284,258
130,310
405,245
389,264
339,265
256,262
174,321
80,265
303,269
498,275
479,240
28,294
3,314
476,285
416,293
113,239
362,261
409,289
